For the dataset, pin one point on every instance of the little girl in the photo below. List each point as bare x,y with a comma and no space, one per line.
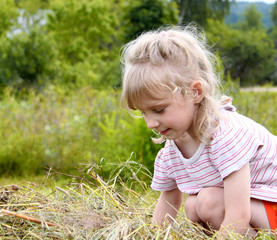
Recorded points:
225,162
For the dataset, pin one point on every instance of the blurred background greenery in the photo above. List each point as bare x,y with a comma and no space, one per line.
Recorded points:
60,76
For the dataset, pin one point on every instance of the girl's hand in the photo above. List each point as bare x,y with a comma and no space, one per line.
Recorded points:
168,206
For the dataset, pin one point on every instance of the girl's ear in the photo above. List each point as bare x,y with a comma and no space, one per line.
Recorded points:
197,91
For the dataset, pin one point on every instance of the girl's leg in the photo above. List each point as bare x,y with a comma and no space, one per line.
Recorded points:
190,209
210,206
259,218
210,209
206,207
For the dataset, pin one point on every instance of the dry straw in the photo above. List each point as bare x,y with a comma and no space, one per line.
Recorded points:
91,207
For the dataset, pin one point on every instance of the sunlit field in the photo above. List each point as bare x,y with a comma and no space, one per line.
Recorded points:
77,166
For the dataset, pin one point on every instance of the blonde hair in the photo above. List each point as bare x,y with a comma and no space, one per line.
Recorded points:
168,60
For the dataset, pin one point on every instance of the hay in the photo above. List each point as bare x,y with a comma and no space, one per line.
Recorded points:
90,208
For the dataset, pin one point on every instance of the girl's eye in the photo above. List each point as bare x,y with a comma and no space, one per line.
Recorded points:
160,110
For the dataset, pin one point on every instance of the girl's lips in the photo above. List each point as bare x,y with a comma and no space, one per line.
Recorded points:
165,132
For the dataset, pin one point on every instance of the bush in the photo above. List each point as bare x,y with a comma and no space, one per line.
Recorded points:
250,61
26,59
87,35
8,13
145,15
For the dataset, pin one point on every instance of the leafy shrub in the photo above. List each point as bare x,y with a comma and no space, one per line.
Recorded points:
250,61
124,138
145,15
87,35
26,58
8,13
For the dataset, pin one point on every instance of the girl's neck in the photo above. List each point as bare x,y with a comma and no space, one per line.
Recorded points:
188,146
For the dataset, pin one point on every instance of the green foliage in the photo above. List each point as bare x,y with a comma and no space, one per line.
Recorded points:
250,61
147,15
237,11
32,6
274,14
8,13
66,129
63,129
260,106
78,44
126,138
81,27
26,59
85,35
200,11
252,18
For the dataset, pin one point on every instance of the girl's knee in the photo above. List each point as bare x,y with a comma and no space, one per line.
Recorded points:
190,208
210,204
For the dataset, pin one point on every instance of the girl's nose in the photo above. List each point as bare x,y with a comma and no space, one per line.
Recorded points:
151,123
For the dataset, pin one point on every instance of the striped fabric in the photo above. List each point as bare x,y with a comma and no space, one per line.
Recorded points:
237,141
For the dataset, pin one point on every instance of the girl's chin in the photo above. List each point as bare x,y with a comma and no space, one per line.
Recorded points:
178,137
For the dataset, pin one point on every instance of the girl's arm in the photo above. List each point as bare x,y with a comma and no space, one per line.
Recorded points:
168,206
237,201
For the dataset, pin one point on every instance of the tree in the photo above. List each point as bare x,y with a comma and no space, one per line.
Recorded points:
252,18
32,6
274,14
26,59
9,14
273,31
200,10
81,27
32,13
145,15
27,53
85,32
246,54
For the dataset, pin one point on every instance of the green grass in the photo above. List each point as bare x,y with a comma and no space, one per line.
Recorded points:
260,106
19,180
66,129
40,182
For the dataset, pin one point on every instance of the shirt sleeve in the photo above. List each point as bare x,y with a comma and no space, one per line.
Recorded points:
161,180
233,148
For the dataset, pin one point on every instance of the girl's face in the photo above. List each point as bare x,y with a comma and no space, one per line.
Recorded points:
172,116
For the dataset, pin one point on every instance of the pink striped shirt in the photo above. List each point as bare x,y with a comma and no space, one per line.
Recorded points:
238,140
